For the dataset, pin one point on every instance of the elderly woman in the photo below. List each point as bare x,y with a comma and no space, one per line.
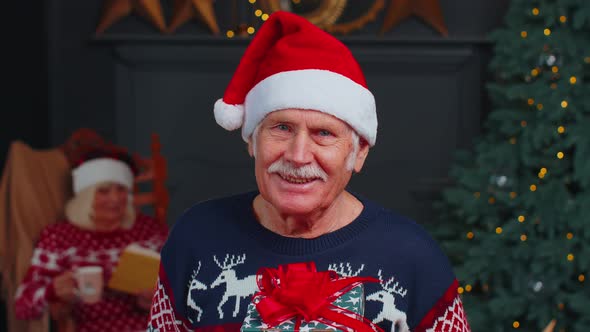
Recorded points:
101,222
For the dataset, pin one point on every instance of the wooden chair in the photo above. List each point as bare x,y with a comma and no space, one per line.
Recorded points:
153,169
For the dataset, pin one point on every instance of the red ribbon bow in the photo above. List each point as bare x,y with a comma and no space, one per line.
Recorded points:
299,290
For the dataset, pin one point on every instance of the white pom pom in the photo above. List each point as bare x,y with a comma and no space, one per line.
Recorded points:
230,117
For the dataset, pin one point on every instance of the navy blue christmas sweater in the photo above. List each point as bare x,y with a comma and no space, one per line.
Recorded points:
211,258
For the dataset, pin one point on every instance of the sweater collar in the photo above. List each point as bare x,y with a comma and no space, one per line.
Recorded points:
297,246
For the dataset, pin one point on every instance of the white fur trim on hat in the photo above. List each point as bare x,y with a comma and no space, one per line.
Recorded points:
101,170
230,117
313,89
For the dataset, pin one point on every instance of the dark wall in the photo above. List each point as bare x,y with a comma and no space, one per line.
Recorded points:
133,81
81,73
25,112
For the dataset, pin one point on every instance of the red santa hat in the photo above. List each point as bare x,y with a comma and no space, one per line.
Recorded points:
291,63
100,165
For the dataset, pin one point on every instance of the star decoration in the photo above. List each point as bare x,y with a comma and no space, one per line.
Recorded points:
353,300
428,10
185,10
247,321
115,10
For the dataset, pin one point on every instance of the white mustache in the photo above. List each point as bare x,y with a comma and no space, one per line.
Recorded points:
285,168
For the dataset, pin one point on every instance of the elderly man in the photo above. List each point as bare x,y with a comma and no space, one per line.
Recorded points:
309,120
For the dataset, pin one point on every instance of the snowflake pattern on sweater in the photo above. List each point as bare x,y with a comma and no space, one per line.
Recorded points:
64,246
209,265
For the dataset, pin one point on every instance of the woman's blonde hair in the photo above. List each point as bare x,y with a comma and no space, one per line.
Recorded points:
79,210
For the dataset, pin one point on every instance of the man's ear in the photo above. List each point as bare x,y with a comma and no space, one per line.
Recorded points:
361,156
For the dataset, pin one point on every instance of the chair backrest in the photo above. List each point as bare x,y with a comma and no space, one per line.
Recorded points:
155,170
35,186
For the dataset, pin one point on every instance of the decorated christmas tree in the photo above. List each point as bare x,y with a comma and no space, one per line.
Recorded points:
516,221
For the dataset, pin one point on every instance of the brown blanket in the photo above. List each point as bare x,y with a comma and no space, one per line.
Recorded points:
34,189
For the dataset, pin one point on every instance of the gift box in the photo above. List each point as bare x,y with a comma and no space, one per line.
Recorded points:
350,302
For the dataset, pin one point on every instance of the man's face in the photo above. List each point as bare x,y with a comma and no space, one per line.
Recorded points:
301,160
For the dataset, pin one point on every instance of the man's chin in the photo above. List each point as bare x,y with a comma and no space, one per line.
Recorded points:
294,205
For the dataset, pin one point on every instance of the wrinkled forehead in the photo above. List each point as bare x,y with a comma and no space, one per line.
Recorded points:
307,116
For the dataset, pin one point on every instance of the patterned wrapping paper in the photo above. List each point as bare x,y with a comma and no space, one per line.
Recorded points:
353,300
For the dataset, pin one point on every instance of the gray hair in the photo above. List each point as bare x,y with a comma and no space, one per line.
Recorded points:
350,160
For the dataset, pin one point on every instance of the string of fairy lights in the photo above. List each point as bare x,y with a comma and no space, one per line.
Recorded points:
543,171
250,30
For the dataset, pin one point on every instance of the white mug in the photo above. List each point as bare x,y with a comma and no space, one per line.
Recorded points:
90,283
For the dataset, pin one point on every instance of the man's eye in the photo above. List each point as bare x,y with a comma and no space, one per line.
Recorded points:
283,127
324,133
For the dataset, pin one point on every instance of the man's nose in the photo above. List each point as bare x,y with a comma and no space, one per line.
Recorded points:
299,150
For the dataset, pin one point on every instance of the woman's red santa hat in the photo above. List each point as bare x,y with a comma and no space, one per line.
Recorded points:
103,165
291,63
